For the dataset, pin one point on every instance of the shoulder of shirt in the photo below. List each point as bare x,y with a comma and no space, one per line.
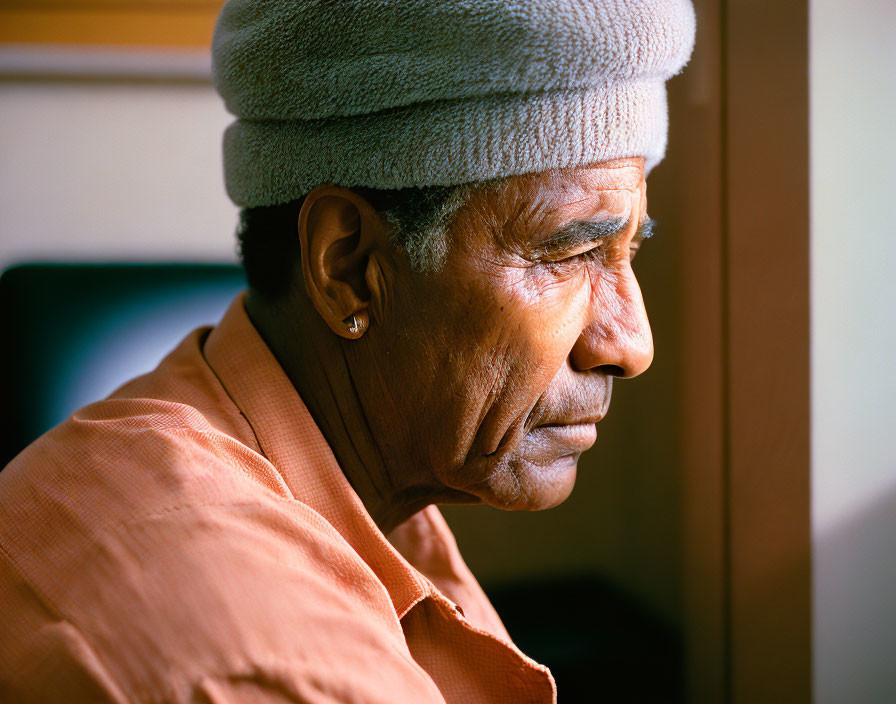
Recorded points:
165,540
134,456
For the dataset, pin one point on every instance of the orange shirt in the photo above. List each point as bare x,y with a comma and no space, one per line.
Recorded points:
192,539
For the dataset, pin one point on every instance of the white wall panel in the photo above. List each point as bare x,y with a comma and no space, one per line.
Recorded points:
109,170
853,143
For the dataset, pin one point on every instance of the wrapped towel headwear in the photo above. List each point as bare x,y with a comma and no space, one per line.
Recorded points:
398,93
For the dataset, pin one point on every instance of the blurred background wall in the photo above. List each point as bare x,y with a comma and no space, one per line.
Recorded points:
110,132
112,172
853,266
116,165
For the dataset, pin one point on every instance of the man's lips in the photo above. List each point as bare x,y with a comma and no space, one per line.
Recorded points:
566,438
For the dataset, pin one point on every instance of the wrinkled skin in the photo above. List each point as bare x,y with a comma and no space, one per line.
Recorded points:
481,382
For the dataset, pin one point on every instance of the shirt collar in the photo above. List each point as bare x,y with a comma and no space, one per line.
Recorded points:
292,442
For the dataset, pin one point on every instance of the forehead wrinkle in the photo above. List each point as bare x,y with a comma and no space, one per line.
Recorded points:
546,207
526,210
516,209
597,193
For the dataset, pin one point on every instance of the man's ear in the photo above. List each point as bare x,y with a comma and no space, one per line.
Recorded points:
338,231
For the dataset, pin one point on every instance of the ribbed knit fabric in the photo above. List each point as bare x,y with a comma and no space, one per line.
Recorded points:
397,93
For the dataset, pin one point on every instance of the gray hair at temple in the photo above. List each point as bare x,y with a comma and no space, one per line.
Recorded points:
419,218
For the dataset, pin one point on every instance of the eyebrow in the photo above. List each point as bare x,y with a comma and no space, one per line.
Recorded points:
579,232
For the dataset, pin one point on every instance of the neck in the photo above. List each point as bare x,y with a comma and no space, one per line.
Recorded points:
316,363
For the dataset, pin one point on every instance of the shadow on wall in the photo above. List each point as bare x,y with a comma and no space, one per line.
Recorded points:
855,607
600,642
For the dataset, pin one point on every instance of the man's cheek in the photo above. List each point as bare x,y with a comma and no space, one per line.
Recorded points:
564,309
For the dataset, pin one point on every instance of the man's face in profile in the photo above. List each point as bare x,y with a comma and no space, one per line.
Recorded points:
492,371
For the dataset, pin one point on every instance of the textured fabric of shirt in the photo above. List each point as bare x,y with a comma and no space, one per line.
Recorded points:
192,539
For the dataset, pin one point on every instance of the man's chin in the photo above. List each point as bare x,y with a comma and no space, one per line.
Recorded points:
524,486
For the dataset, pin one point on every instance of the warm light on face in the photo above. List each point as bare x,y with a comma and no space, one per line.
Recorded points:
508,352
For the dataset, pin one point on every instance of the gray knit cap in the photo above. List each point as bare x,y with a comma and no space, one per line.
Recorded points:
397,93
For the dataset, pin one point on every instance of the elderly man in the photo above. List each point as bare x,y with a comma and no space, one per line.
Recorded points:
441,201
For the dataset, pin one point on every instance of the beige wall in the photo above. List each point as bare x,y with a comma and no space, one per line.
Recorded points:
111,170
853,133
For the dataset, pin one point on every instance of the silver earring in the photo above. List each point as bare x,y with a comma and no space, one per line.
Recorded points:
353,326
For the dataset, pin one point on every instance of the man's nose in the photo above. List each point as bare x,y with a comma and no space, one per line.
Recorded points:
617,336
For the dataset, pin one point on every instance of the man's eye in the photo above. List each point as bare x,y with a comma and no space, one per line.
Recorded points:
575,260
591,254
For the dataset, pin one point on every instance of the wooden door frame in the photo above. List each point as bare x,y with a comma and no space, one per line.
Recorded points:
745,354
184,24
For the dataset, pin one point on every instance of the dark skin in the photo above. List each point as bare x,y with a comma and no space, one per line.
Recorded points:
481,382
